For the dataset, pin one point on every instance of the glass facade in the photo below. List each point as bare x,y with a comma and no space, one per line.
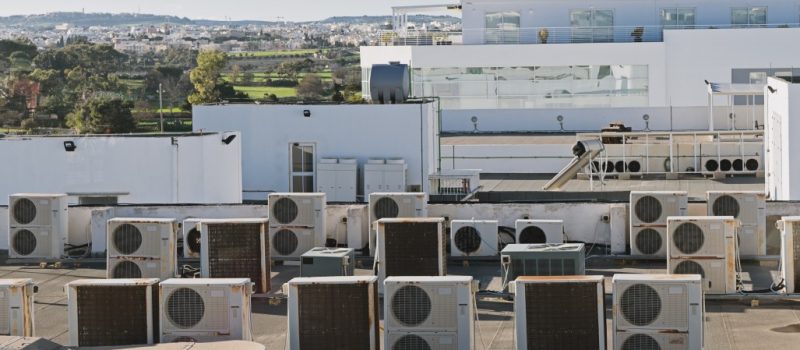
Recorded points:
677,17
502,27
592,26
535,86
744,16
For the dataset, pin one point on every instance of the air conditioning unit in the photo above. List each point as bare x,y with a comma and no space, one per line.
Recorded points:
718,275
333,313
630,340
141,248
191,238
790,253
112,312
16,307
38,225
205,309
321,261
394,205
539,231
297,209
656,305
289,243
702,236
411,247
565,259
235,248
723,157
749,207
560,312
473,238
648,213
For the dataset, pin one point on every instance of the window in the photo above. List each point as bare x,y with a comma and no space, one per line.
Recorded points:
677,17
302,167
595,26
502,27
744,16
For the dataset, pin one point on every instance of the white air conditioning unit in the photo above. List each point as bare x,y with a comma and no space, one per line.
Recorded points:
38,225
141,248
394,205
35,242
630,340
702,236
16,307
205,310
236,248
297,209
718,275
749,207
572,298
790,253
648,215
410,247
333,313
288,243
35,209
191,238
539,231
473,238
420,305
113,312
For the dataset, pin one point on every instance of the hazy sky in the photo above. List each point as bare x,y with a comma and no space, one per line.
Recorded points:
293,10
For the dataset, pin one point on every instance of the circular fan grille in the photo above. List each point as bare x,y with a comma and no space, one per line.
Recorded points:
609,167
185,308
712,165
738,165
648,241
532,235
620,166
689,267
411,305
725,165
184,339
284,210
647,209
751,164
284,242
24,211
24,242
411,342
640,342
640,304
688,238
127,239
193,240
386,208
127,269
634,166
467,239
725,206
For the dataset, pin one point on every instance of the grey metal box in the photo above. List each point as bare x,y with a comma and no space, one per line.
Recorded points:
320,262
561,259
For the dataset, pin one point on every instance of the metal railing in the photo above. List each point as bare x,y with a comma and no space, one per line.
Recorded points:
455,184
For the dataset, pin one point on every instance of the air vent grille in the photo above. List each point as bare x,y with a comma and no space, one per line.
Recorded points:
412,249
688,238
193,240
185,308
640,342
726,205
562,315
411,342
284,210
411,306
648,209
234,251
337,316
127,239
386,207
532,235
24,242
542,267
689,267
640,305
467,239
127,269
285,242
24,211
113,315
648,241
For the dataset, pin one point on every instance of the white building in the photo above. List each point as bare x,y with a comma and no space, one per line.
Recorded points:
281,144
518,64
782,126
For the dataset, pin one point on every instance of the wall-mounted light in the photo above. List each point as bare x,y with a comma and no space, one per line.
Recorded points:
474,120
69,146
229,139
646,119
307,113
560,119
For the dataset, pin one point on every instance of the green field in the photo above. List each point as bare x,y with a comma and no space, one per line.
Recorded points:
257,92
261,77
274,53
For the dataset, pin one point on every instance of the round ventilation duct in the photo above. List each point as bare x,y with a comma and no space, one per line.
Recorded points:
389,83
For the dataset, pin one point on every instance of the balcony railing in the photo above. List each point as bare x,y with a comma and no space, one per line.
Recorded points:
546,35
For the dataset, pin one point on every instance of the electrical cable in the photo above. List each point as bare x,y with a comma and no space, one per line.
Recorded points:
478,321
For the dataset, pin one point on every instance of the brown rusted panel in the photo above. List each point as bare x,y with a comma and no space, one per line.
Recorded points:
336,316
412,249
235,251
577,278
112,315
562,315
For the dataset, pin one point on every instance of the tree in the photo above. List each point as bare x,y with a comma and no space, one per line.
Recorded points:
236,73
247,78
310,87
103,115
206,76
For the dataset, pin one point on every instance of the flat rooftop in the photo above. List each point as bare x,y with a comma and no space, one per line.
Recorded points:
732,322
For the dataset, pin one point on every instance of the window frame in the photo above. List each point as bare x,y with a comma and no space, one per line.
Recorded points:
677,9
750,11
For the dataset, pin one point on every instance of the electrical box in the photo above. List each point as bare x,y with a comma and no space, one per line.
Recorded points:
385,176
566,259
337,179
321,262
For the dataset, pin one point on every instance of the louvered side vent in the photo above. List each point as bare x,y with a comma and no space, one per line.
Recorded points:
5,325
562,315
796,255
114,315
412,249
336,316
234,251
543,267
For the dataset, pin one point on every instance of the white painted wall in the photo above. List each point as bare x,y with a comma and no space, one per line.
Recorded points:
531,158
199,169
405,131
783,145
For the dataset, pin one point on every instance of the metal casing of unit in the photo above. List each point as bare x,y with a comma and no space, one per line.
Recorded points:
718,275
565,259
321,262
355,298
38,225
704,245
386,205
191,238
474,238
37,209
566,291
790,253
205,309
141,248
297,223
233,248
100,311
411,247
16,307
648,216
749,207
539,231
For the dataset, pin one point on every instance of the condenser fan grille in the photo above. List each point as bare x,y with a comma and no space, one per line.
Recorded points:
386,208
689,267
113,315
284,210
127,269
337,316
285,242
640,305
24,211
185,308
235,250
127,239
648,241
688,238
193,240
640,342
411,342
726,206
562,315
648,209
24,242
467,239
411,249
532,235
411,306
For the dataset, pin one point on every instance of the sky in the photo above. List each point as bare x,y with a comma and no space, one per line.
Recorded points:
268,10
